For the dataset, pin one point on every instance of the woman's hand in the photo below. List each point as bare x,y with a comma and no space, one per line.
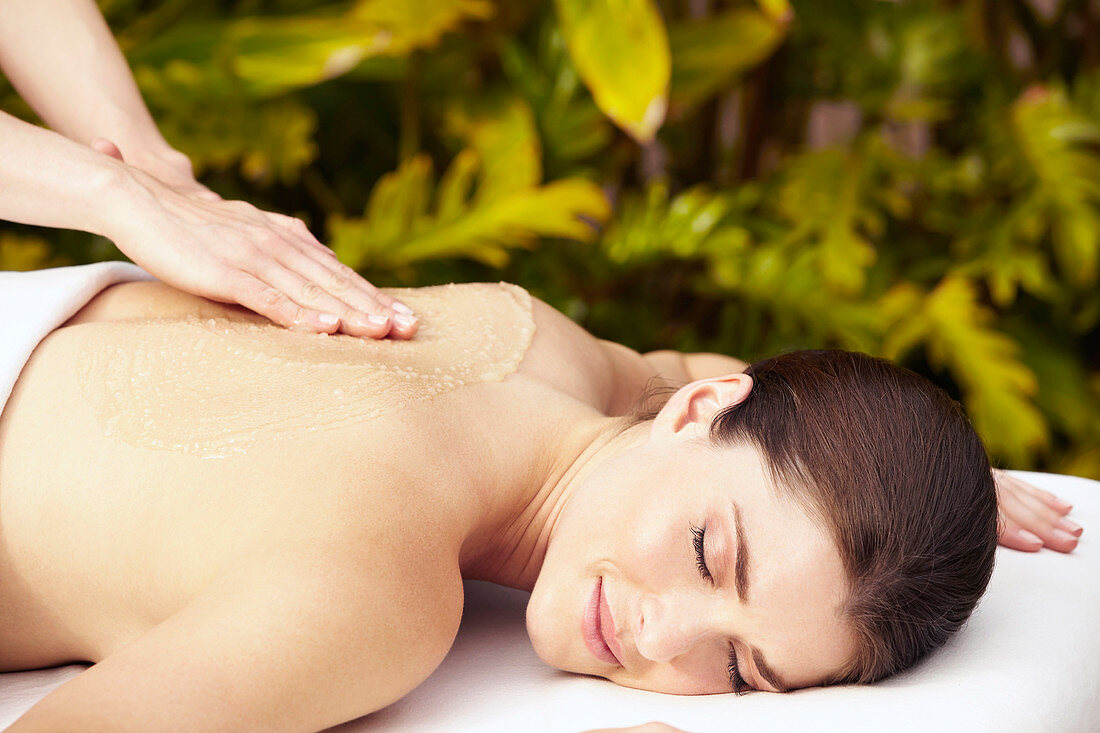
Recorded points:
232,252
1031,518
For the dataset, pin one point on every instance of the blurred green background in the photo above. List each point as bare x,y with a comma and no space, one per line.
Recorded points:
919,180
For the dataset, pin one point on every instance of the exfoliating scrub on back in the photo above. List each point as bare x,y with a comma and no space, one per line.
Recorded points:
211,387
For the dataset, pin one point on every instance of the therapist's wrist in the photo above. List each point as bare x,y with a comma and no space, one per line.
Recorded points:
116,194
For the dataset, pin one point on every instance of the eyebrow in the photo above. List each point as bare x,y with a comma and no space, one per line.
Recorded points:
741,581
767,672
741,569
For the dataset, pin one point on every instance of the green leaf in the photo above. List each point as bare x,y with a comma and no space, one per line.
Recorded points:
502,132
779,10
572,127
620,49
1059,148
1064,391
930,52
650,227
822,198
400,229
709,54
998,389
413,24
270,141
24,253
268,56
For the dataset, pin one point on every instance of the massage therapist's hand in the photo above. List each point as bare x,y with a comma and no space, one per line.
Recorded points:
233,252
1031,518
162,162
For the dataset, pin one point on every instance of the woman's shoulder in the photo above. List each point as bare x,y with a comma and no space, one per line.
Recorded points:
606,375
603,374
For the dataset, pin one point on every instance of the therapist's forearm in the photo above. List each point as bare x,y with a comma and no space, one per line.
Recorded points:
49,180
63,60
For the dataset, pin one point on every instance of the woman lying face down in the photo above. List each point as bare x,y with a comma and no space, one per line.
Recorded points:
824,517
818,517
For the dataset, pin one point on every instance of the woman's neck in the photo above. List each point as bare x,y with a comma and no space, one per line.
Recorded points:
508,545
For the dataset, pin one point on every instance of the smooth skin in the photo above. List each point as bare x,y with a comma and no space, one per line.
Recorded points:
108,170
294,589
630,526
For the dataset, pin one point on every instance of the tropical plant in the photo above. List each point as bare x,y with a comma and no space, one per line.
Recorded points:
917,179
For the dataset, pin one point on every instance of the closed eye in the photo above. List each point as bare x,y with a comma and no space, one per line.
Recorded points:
737,682
697,534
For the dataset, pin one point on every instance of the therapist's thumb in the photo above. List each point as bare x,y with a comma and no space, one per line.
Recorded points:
105,146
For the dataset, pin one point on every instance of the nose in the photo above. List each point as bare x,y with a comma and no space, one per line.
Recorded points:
670,624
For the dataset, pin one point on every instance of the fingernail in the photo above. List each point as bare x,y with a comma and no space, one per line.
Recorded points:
328,319
1064,535
1029,537
377,320
1070,527
402,308
404,321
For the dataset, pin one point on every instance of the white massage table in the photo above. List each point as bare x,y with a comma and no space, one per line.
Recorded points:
1028,661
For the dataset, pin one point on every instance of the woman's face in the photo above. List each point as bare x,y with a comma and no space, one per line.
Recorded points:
623,592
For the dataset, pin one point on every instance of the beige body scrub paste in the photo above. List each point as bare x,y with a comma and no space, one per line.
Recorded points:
211,387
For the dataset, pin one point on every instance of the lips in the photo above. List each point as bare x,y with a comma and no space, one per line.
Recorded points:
598,628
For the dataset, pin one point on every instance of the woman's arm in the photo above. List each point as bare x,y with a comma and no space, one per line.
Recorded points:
63,60
300,642
687,366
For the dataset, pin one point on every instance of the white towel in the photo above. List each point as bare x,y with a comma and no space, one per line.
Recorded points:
34,303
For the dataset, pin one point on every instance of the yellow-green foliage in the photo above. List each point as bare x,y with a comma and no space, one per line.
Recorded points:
919,179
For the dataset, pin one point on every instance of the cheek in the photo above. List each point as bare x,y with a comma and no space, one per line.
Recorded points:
703,674
657,551
573,559
542,638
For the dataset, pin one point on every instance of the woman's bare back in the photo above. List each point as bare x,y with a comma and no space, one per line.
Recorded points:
168,461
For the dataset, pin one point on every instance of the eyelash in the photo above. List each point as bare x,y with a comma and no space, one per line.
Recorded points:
737,682
700,561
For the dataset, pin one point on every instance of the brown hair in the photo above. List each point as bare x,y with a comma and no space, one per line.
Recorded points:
889,463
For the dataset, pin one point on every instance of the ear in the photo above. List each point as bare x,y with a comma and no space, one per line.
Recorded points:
695,405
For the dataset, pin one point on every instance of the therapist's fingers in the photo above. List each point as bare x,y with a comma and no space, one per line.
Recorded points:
342,282
273,303
307,292
106,147
298,228
326,284
232,252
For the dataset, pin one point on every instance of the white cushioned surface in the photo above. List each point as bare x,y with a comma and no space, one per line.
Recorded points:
1028,660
